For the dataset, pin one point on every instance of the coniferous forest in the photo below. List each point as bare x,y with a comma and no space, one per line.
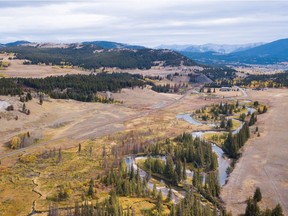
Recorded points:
92,57
77,87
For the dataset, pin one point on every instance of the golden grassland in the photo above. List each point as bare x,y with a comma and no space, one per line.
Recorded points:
73,173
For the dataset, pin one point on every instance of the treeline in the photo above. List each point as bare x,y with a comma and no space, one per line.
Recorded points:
261,81
233,143
191,205
173,173
253,209
188,150
216,73
168,88
9,87
92,57
77,87
110,206
126,182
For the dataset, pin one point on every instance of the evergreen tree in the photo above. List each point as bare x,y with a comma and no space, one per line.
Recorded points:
91,188
184,170
252,208
257,195
169,168
169,195
159,202
277,211
154,191
229,125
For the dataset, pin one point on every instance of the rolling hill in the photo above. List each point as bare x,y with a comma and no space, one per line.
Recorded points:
91,56
113,45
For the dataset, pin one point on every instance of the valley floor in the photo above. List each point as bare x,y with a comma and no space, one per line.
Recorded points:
264,160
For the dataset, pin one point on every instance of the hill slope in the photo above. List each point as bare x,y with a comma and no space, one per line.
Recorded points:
112,45
91,56
276,49
270,53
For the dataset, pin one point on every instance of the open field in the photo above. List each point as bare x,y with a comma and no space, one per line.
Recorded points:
76,120
264,160
144,116
65,124
17,69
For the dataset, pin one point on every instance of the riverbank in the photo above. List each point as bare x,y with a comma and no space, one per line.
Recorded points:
264,160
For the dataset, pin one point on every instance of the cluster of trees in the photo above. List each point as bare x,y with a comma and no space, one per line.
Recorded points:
196,151
253,209
77,87
184,150
92,57
219,110
233,143
262,81
217,73
227,124
109,206
188,150
168,88
21,141
126,182
191,205
9,87
174,173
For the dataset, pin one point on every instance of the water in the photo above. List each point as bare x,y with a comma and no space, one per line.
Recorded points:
188,118
250,110
176,195
4,105
239,128
223,161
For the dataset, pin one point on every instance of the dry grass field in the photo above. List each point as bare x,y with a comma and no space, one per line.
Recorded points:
65,124
17,69
144,115
264,160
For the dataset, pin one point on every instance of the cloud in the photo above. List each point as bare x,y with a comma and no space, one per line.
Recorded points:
147,23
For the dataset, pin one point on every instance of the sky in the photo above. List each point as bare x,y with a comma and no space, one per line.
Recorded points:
144,22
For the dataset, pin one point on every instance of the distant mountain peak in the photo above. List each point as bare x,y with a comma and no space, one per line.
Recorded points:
211,47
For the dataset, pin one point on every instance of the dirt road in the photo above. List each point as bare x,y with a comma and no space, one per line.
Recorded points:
265,158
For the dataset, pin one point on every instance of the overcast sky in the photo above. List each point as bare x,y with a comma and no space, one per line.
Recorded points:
144,22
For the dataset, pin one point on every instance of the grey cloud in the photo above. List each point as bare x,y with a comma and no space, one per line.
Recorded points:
149,23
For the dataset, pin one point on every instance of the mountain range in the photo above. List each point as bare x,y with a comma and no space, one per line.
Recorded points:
219,48
94,55
253,53
269,53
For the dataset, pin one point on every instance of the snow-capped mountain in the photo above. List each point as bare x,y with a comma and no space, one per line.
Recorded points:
219,48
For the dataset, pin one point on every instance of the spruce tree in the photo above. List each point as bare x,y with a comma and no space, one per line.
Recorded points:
257,195
159,202
277,211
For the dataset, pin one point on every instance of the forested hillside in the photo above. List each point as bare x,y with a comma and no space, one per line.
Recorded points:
77,87
92,56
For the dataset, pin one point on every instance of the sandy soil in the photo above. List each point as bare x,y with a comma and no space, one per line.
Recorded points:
264,161
17,69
